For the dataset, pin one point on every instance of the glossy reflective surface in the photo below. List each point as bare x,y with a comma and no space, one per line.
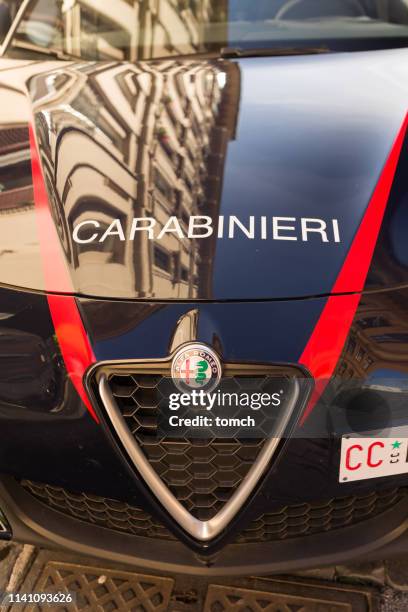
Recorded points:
207,179
134,30
49,436
279,159
390,262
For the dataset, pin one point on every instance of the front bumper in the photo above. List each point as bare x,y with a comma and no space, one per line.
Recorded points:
381,537
49,437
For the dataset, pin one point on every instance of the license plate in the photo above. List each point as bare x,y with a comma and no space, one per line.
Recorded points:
365,457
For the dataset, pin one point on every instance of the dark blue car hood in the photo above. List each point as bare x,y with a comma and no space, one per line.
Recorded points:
215,180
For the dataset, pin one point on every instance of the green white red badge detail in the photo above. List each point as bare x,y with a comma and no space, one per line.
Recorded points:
196,366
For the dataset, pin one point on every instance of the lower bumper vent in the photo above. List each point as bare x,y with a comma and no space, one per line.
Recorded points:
288,522
319,517
102,511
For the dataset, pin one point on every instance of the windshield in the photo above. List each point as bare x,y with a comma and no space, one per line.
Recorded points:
146,29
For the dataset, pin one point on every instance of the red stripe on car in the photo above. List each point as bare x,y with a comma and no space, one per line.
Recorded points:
69,329
73,342
326,343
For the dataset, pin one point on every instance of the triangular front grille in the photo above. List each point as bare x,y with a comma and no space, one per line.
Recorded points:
201,476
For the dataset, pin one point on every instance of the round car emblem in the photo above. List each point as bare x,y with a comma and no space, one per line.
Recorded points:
196,366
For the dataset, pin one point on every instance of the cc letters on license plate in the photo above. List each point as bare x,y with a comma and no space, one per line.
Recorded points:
365,457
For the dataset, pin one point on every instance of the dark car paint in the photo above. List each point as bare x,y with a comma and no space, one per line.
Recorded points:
306,144
298,137
244,332
390,261
62,445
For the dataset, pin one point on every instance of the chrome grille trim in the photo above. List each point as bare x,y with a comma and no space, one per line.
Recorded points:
200,530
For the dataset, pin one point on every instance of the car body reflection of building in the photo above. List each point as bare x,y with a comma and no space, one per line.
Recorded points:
123,30
16,201
166,126
378,340
19,251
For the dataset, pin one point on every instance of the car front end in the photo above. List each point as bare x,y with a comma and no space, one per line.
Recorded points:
204,272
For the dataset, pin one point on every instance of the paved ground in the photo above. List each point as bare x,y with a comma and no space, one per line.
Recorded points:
372,587
390,578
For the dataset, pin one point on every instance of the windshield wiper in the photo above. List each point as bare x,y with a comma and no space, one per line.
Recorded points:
233,52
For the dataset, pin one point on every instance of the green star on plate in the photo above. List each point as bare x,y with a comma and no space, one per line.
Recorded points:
396,444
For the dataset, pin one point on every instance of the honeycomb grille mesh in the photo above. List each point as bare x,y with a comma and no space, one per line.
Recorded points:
319,517
283,524
102,511
201,474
